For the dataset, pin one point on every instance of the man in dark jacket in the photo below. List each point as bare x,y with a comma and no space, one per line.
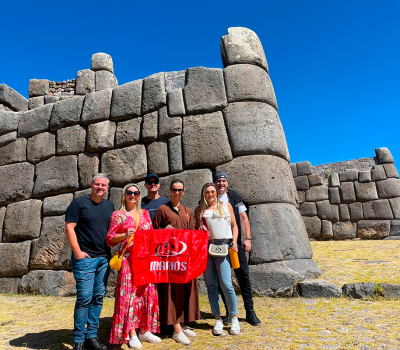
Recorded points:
221,180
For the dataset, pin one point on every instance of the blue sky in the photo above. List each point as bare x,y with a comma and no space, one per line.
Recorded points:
335,65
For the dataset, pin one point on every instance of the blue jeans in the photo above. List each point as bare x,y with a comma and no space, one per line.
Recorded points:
91,277
219,271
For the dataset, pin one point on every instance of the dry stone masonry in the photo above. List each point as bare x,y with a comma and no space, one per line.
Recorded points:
352,199
186,124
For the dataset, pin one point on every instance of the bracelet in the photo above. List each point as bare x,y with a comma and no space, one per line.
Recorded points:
247,239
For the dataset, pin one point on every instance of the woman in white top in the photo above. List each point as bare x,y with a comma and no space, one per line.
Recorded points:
218,218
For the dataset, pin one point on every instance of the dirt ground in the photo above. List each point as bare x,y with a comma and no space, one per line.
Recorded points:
36,322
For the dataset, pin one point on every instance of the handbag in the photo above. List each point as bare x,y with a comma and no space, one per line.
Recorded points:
219,250
116,260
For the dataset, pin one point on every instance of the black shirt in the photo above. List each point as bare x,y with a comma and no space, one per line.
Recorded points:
92,224
152,205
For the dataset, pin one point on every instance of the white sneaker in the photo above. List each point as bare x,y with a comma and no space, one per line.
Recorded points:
219,326
235,328
181,338
149,337
134,343
188,332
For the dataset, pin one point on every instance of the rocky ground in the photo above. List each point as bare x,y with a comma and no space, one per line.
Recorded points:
34,322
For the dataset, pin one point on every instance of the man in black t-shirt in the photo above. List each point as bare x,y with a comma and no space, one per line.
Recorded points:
153,200
86,226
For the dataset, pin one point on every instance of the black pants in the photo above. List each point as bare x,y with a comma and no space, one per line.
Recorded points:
243,277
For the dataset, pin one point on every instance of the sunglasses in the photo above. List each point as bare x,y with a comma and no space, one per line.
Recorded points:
130,193
153,182
177,190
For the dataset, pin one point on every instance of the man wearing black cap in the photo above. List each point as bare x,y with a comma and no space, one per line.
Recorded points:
221,180
153,200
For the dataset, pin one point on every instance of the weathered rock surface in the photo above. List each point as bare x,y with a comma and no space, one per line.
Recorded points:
348,175
51,250
105,80
313,226
101,136
201,135
125,165
344,230
66,113
394,228
395,205
176,105
34,122
306,268
366,191
41,147
205,90
168,127
88,166
347,192
378,173
35,102
127,100
327,230
157,158
13,152
71,140
9,285
15,258
388,188
293,168
334,180
303,168
364,176
57,205
327,211
12,99
278,186
318,289
302,183
308,209
96,106
379,209
175,80
391,171
85,82
128,132
154,95
7,138
38,87
315,180
373,229
317,193
334,195
55,283
383,155
19,182
390,290
56,175
150,127
51,99
102,61
344,213
175,154
359,290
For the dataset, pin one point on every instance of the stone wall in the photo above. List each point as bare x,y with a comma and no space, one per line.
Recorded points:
186,125
352,199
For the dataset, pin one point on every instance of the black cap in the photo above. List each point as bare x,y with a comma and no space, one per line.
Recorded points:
221,175
148,177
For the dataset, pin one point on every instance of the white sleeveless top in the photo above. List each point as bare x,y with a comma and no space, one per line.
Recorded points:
219,226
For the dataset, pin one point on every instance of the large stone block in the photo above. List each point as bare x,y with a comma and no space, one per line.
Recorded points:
2,214
315,180
383,155
168,127
347,192
175,80
318,289
9,285
245,82
125,165
126,100
205,90
38,87
373,229
356,211
391,171
302,183
9,121
66,113
365,191
19,182
51,250
205,141
154,95
390,290
14,258
242,45
395,228
378,173
101,136
378,209
344,213
157,158
176,106
293,167
364,176
71,140
395,205
306,268
51,99
327,230
56,175
35,102
150,127
313,226
302,196
88,166
317,193
57,205
8,138
359,290
12,99
54,283
105,80
348,175
259,120
303,168
36,121
333,180
344,230
334,195
246,172
41,147
115,195
175,154
102,61
327,211
85,82
389,188
278,233
128,132
96,106
14,152
308,209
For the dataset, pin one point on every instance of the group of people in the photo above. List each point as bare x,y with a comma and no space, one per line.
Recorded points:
93,226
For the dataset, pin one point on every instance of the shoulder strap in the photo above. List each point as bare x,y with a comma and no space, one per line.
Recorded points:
130,240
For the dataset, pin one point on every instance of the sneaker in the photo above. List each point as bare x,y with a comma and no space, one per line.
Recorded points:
252,318
188,332
149,337
79,346
227,320
219,326
134,343
94,344
181,338
235,328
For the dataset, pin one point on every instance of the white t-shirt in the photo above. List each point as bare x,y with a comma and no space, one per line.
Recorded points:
224,198
219,226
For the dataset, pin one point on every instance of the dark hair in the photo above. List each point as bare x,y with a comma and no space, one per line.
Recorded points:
177,181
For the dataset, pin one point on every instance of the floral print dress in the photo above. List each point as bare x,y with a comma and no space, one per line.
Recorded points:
135,307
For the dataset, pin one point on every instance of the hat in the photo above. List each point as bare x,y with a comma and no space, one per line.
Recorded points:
221,175
148,177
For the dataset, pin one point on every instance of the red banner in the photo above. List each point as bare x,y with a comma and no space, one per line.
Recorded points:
168,256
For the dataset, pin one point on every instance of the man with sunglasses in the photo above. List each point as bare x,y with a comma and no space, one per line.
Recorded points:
153,200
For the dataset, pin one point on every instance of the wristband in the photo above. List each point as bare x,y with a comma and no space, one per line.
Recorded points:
247,239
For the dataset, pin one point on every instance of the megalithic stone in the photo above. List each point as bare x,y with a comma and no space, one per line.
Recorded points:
261,173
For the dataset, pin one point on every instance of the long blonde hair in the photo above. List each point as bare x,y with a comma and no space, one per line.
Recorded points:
138,204
203,202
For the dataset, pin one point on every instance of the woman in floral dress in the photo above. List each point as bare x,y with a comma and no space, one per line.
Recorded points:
135,307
